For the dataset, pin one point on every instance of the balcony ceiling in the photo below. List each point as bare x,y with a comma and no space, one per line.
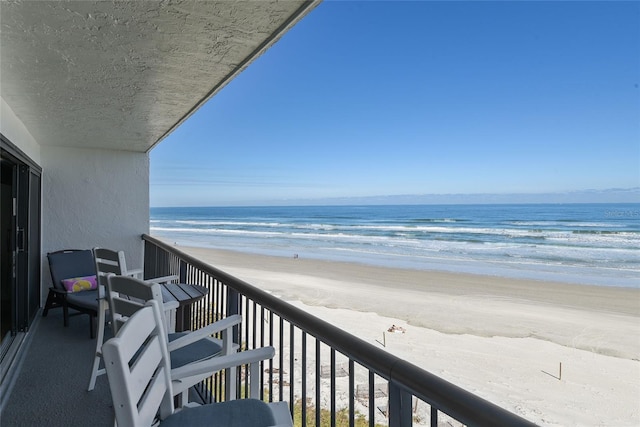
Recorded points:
123,75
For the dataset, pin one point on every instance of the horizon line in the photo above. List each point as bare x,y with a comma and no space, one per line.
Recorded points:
589,196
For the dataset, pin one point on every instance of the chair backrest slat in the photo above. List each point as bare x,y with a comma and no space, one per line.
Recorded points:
108,262
128,287
121,310
147,361
154,396
138,367
127,295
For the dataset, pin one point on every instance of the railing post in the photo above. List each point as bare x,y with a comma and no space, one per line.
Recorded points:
149,263
183,272
399,406
233,307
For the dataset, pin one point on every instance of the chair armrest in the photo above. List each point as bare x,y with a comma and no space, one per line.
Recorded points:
281,413
208,367
170,305
221,325
137,273
163,279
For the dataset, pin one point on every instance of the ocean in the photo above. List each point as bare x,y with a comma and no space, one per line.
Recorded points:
594,244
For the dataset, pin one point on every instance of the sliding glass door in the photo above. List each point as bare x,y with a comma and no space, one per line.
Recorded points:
20,242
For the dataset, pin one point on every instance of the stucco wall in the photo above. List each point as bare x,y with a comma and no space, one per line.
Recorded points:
90,197
13,129
94,198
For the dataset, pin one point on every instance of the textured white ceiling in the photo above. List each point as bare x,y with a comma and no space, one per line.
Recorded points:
123,74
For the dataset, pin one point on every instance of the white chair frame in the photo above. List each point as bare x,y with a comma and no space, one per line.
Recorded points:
113,262
143,390
138,293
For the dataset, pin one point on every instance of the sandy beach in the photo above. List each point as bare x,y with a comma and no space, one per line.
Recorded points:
503,339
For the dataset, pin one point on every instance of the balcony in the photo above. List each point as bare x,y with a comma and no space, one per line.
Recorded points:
328,376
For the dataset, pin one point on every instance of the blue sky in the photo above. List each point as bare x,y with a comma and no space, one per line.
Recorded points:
366,99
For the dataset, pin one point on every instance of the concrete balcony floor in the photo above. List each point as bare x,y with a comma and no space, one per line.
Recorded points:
51,387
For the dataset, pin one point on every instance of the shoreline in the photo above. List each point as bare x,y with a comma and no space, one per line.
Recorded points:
552,311
617,299
501,339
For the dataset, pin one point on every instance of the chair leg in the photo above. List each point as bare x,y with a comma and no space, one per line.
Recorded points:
51,299
230,383
181,399
55,300
95,372
229,373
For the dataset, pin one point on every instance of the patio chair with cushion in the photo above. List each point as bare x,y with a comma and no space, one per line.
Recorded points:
140,379
127,295
73,273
